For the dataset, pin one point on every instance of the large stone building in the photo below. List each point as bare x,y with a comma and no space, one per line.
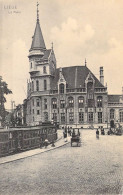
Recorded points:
69,95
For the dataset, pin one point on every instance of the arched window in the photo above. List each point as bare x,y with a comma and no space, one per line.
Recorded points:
61,88
32,86
37,85
70,102
54,103
112,114
99,101
45,85
81,102
44,69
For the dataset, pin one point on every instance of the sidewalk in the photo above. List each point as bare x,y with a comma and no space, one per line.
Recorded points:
33,152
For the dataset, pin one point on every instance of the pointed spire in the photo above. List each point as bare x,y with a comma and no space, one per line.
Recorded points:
85,62
37,39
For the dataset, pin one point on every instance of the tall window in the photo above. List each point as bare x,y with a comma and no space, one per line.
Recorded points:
70,102
38,112
55,117
81,117
45,103
37,103
31,64
112,114
99,101
62,118
71,118
32,86
62,103
61,88
99,117
45,85
45,116
37,85
90,117
121,116
54,103
44,69
81,102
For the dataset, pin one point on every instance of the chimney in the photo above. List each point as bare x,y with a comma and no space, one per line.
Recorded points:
101,75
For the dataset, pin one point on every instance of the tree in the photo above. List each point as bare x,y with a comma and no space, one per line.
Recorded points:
3,91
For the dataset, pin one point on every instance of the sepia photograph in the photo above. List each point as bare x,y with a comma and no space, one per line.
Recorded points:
61,97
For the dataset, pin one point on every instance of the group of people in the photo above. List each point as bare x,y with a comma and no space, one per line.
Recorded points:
102,132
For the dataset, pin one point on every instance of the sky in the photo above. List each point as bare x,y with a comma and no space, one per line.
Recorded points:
79,29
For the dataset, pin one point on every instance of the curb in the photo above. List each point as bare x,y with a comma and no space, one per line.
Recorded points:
37,153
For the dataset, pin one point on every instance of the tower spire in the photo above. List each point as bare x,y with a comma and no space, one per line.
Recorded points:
37,12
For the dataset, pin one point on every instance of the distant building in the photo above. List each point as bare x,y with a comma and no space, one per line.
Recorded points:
69,95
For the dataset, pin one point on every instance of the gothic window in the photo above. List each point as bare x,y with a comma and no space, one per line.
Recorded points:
54,103
71,118
62,103
45,103
112,114
45,85
62,118
99,101
90,117
99,117
37,103
44,70
61,88
70,102
81,102
45,116
121,116
81,117
32,86
37,85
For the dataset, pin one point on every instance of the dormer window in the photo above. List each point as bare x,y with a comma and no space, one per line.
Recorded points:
44,70
61,88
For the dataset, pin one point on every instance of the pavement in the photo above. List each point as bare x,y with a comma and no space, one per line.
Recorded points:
59,143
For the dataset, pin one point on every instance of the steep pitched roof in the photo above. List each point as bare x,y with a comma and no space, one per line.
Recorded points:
114,98
75,77
37,39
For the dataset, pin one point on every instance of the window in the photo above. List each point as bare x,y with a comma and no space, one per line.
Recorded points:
81,117
81,102
55,117
62,103
44,69
38,112
99,101
33,111
62,118
70,102
121,116
99,117
54,103
45,103
37,102
32,86
112,114
90,117
61,88
37,85
33,119
31,64
71,117
45,116
33,102
45,85
90,96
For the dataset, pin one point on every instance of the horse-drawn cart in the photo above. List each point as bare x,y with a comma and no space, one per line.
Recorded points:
76,139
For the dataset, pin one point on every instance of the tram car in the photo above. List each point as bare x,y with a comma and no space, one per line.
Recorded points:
15,140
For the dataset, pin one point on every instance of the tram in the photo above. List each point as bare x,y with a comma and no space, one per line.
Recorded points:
15,140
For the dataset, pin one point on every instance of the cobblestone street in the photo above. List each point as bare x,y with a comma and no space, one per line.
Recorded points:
94,168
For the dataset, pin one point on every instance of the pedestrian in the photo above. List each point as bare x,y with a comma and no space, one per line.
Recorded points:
46,143
78,133
97,134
